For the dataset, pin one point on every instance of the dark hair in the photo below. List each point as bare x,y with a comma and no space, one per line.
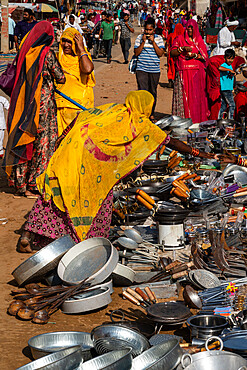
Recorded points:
29,11
150,21
230,53
108,15
103,13
71,16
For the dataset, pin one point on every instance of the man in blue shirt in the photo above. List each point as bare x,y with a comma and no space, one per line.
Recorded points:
11,32
226,84
24,26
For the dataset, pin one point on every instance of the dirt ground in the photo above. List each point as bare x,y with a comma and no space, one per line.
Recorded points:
113,83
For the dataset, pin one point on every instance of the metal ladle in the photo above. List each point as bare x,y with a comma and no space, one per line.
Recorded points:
136,236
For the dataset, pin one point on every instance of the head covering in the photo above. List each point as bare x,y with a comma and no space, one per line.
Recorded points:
140,102
231,23
23,117
197,39
126,12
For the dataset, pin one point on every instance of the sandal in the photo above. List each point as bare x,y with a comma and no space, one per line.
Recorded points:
24,245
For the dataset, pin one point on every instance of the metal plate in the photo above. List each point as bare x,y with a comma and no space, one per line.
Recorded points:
44,344
87,301
205,279
168,311
94,258
123,275
43,261
127,243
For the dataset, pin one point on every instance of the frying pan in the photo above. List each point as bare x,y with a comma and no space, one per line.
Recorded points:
192,298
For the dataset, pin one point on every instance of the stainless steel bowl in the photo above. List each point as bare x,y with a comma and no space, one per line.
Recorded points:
115,360
106,338
69,358
166,355
47,343
43,261
204,326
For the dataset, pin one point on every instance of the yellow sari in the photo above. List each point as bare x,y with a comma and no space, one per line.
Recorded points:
105,144
78,86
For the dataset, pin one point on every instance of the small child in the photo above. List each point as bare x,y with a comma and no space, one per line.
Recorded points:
226,83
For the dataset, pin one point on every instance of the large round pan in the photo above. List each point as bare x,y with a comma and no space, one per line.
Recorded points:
43,261
87,301
47,343
123,275
94,259
166,355
69,358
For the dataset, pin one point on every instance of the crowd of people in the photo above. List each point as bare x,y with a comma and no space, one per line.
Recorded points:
53,145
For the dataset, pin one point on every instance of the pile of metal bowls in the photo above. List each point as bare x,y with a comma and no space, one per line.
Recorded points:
108,347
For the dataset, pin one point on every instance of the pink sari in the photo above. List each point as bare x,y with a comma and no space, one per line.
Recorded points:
189,95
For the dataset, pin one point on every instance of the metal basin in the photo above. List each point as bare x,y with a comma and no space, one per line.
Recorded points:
166,355
43,261
69,358
106,338
94,258
123,275
215,360
114,360
204,326
47,343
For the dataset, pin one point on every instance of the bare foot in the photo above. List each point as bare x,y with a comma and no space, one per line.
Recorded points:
24,243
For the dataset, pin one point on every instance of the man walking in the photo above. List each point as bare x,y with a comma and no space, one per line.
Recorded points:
126,30
11,32
107,27
24,26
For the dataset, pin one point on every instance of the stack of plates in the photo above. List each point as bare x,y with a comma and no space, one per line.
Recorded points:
204,279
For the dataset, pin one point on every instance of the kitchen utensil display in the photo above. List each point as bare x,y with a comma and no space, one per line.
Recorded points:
204,326
114,360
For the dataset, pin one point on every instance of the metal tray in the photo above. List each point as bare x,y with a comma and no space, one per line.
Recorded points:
205,279
47,343
88,301
43,261
168,311
94,259
239,173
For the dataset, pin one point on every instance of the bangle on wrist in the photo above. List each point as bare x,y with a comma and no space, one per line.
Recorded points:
82,55
180,49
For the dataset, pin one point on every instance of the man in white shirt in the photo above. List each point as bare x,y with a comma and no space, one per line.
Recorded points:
73,24
226,38
11,32
3,104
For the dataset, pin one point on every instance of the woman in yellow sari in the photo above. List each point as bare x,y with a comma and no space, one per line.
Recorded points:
101,147
78,68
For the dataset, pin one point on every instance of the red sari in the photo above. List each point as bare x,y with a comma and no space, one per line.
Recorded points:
179,30
241,103
213,82
189,94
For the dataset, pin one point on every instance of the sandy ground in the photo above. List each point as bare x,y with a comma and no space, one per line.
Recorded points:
113,83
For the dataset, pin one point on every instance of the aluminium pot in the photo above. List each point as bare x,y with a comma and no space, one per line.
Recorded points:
206,326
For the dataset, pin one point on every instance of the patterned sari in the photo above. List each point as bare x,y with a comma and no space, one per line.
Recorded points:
105,144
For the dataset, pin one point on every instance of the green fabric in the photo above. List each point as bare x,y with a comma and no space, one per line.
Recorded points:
108,30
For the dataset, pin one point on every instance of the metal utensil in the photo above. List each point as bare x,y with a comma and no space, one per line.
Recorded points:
90,300
191,298
114,360
123,275
108,337
43,261
166,355
69,358
47,343
94,258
